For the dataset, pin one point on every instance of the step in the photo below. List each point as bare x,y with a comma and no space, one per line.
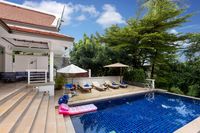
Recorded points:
51,118
11,103
39,125
69,125
61,127
11,94
8,124
27,121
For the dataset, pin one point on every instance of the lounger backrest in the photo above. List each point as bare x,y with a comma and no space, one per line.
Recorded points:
108,82
96,83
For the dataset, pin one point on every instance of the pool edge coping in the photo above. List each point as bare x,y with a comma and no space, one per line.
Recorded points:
191,127
106,97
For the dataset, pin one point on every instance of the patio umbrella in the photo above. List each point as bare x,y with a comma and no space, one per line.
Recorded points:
117,65
71,69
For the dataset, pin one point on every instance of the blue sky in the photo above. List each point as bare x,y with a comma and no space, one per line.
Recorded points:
91,16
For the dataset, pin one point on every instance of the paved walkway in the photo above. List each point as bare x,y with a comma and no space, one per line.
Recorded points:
98,94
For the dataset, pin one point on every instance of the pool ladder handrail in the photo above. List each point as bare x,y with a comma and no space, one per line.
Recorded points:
150,93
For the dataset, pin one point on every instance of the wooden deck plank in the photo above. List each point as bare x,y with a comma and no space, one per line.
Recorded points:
11,103
61,127
51,118
39,125
8,124
27,121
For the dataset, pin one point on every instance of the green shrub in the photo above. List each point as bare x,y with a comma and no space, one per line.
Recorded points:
60,80
176,90
133,74
194,90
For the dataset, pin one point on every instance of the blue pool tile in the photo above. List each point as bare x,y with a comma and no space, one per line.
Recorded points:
137,114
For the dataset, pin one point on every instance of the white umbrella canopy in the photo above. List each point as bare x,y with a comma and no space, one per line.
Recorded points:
71,69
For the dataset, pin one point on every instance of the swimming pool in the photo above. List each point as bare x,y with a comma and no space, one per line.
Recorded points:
139,114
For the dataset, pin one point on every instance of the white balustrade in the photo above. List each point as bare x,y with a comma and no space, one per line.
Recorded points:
37,76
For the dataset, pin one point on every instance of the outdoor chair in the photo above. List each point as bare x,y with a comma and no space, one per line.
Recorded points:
98,86
121,84
111,85
71,89
85,87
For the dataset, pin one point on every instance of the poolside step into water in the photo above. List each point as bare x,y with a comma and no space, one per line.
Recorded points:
27,110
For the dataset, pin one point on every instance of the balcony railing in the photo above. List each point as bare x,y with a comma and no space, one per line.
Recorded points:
37,76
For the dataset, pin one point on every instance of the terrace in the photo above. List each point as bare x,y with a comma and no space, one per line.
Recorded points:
29,49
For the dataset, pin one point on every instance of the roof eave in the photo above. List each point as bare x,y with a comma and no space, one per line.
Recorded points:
5,26
46,34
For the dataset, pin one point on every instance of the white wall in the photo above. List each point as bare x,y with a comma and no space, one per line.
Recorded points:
8,60
23,62
101,80
1,63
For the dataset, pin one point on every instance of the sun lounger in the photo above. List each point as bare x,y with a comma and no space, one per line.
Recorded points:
98,86
85,87
65,110
122,84
111,85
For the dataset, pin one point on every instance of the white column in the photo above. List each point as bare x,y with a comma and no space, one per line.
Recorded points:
153,83
28,76
89,71
8,60
45,76
51,66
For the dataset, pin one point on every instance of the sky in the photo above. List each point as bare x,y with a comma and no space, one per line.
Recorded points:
91,16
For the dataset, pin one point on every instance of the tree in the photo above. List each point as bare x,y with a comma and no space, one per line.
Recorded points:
89,53
148,39
192,51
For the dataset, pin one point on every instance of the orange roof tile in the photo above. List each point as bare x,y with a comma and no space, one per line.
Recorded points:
20,14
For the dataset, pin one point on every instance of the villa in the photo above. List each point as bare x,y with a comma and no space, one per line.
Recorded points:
30,48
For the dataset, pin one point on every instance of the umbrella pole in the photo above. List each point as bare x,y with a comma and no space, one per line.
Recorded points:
120,74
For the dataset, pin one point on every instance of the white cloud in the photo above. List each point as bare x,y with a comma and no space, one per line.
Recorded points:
81,17
57,8
173,31
87,9
110,16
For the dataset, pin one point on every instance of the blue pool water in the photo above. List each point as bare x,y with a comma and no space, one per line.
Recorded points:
138,114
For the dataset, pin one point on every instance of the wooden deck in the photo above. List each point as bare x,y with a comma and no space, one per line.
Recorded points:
7,88
24,109
98,94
